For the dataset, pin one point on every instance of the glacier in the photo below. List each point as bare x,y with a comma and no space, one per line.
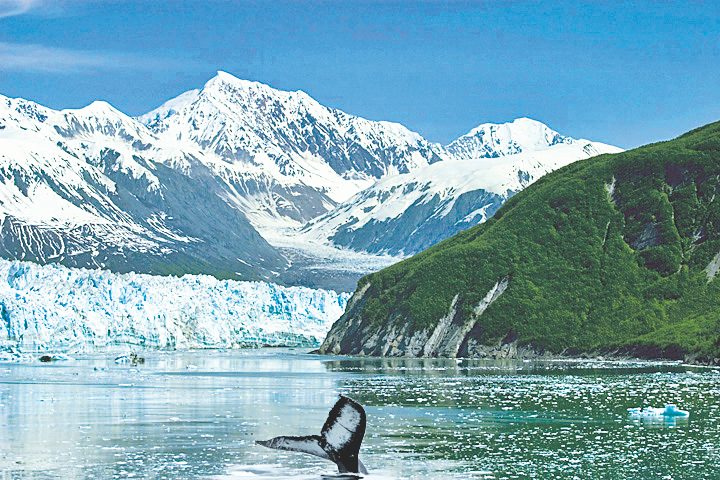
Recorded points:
52,308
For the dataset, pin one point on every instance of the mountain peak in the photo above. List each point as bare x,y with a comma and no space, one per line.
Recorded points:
309,144
225,78
222,74
99,119
518,125
499,139
239,85
98,108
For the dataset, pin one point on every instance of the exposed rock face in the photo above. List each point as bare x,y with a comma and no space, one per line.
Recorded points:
93,188
613,256
451,337
650,237
713,267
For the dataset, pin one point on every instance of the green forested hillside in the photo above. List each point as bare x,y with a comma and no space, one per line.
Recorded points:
615,253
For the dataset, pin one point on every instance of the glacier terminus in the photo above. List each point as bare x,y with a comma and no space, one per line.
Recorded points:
52,308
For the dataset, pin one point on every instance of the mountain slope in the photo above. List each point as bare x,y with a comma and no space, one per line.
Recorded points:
405,214
93,187
615,253
221,180
289,157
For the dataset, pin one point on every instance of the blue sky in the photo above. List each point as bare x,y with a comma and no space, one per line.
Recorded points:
624,73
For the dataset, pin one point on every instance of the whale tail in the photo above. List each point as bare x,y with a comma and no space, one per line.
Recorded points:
339,440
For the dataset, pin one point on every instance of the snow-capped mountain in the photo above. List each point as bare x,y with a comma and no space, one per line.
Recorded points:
288,157
491,140
59,309
404,214
94,187
240,180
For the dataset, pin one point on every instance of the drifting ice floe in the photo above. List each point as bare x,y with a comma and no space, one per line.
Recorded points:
54,308
670,411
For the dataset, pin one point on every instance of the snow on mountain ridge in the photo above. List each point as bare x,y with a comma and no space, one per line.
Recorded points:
94,187
406,213
290,159
490,140
22,113
311,145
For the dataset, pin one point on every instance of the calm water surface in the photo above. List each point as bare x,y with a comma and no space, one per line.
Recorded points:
195,415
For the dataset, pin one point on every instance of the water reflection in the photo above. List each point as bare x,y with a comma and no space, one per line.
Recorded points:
465,366
662,421
197,414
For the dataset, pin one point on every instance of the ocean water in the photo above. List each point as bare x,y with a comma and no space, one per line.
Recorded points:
196,415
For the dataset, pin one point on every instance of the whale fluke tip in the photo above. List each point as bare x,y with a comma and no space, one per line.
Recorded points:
339,440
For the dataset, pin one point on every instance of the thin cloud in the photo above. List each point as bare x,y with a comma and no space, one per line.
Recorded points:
20,57
12,8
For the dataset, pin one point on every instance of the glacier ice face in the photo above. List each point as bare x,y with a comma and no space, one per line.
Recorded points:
55,308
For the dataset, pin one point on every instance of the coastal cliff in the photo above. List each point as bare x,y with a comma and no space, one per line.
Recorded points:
617,254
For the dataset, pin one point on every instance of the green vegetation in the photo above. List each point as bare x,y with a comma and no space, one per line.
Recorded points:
606,254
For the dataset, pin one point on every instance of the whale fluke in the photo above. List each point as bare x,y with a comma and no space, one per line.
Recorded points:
339,440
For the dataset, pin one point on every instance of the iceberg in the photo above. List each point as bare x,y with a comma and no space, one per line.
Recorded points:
670,411
52,308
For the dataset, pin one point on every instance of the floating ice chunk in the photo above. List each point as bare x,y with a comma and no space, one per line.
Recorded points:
670,410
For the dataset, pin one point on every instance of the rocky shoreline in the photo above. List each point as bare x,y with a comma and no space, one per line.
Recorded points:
512,350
